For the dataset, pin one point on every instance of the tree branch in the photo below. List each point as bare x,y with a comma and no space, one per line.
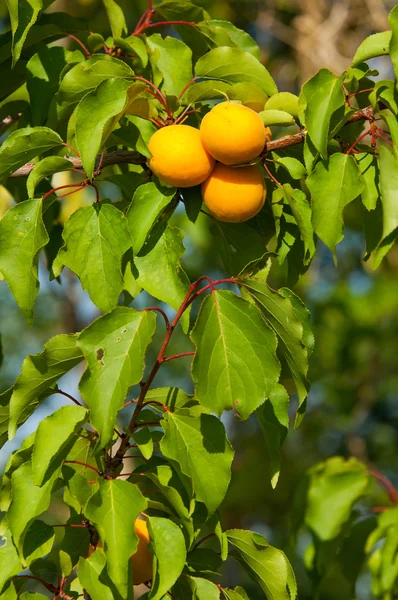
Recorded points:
135,158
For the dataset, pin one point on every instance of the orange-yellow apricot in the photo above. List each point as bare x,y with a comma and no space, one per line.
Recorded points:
235,194
178,156
142,559
232,133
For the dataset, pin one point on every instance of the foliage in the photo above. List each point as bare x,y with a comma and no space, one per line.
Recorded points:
102,103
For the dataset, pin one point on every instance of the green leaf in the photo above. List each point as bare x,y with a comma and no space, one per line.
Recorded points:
334,487
9,560
45,168
148,202
205,589
23,14
114,347
234,66
320,97
301,210
273,417
39,372
21,513
290,320
284,101
206,90
116,18
38,541
276,117
107,510
201,449
50,450
333,184
235,365
249,94
294,167
93,576
23,145
374,45
168,546
369,175
171,62
86,76
134,43
235,252
42,79
225,33
236,594
392,49
388,165
22,236
93,114
158,268
267,565
96,238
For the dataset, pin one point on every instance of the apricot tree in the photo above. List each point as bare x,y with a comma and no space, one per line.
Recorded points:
136,109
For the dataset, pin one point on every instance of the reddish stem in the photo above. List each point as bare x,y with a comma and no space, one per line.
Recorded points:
159,95
167,358
386,483
97,196
73,191
52,393
77,462
169,23
159,310
204,540
363,135
73,37
156,403
382,137
147,424
359,92
61,187
51,588
71,525
180,95
380,509
71,148
271,176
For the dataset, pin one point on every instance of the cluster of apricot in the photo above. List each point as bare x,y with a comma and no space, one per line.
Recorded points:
230,134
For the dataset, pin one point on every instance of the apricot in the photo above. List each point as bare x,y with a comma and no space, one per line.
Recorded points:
178,156
233,133
235,194
142,559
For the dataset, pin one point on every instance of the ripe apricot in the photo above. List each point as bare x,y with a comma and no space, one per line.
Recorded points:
233,133
235,194
142,559
178,156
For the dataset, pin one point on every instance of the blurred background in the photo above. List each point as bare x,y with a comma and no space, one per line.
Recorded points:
353,403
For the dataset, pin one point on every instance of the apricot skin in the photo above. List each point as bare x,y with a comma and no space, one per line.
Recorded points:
142,559
234,195
232,133
178,156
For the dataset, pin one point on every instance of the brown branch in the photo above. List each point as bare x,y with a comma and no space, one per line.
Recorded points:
9,120
135,158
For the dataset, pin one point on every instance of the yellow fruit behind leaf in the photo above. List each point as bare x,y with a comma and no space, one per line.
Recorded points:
6,201
142,559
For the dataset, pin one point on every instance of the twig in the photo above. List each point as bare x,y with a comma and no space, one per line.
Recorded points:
135,158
